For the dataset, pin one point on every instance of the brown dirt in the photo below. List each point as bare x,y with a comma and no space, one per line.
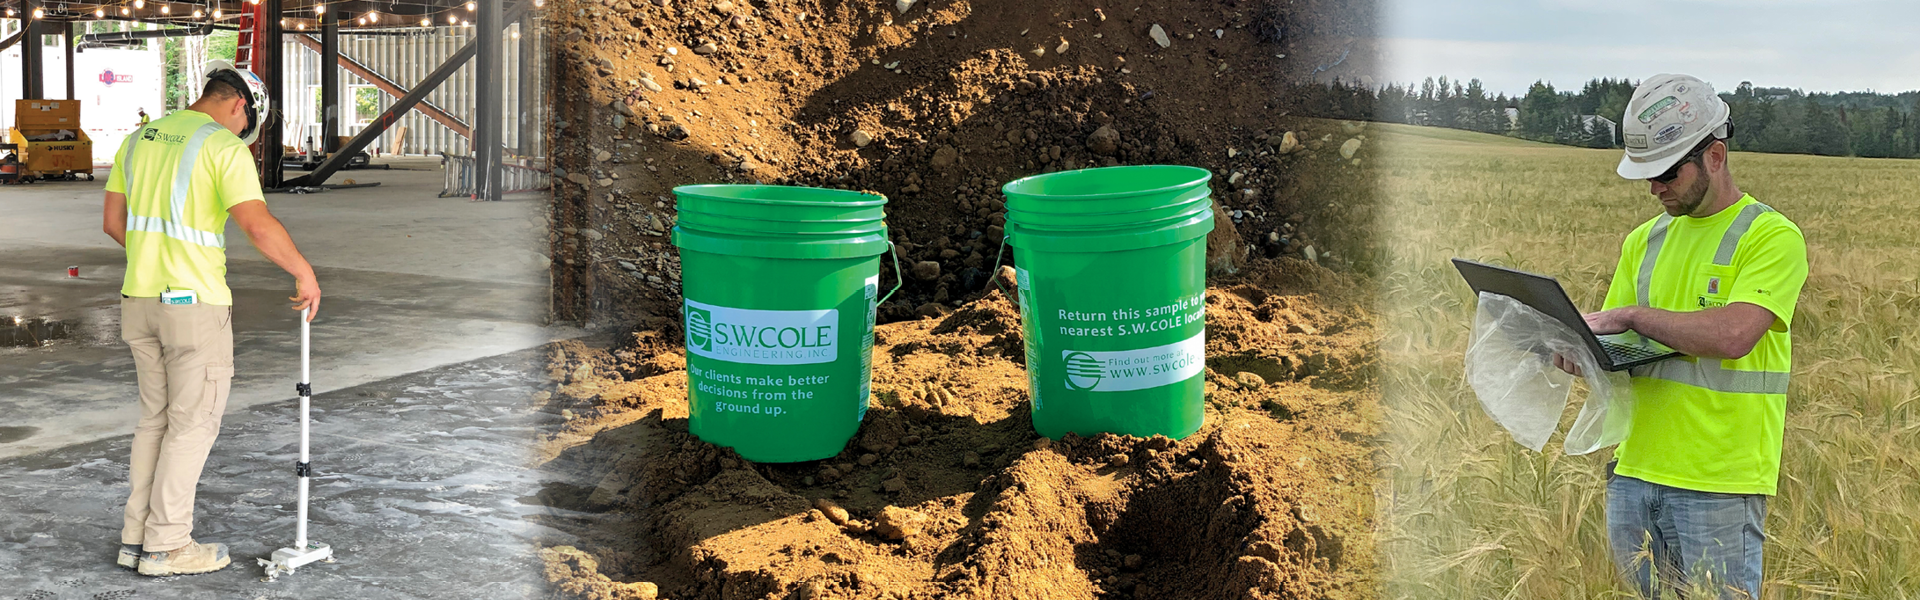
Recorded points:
957,96
947,492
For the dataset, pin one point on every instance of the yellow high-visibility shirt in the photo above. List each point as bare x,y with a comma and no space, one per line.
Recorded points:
1707,424
177,219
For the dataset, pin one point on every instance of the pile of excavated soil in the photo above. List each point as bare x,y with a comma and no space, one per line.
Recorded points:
947,492
935,106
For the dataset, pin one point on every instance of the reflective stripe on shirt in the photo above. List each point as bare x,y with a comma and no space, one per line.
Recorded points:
1707,373
175,225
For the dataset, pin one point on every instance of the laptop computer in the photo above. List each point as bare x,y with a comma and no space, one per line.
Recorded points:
1616,352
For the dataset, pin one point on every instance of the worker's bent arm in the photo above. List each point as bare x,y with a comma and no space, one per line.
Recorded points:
1729,331
114,219
271,238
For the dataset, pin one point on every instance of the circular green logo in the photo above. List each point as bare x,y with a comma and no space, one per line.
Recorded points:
699,329
1083,372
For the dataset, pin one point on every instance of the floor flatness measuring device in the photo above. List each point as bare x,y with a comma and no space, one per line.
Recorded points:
303,551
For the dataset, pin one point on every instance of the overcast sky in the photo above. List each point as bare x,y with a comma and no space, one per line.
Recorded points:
1814,45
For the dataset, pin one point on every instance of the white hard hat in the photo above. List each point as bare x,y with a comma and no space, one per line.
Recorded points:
251,88
1669,116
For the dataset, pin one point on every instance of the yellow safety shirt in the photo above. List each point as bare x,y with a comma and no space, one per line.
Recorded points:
1709,424
180,174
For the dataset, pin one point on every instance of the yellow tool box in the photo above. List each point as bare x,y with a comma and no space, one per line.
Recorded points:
55,155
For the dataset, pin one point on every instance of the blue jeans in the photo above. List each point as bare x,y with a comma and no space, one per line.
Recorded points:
1694,540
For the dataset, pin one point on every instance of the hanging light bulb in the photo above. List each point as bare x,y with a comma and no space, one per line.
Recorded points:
319,9
472,7
124,11
139,4
39,14
301,26
426,22
216,13
10,12
166,9
99,13
453,20
197,14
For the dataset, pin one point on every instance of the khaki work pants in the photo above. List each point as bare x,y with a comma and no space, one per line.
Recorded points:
184,355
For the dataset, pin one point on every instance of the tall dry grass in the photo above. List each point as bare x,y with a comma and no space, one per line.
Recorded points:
1467,513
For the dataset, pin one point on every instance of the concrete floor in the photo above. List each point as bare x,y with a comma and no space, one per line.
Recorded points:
416,488
412,283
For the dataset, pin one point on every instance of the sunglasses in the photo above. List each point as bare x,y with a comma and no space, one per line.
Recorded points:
1674,171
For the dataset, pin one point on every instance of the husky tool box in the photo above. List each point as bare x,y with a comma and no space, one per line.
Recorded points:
50,142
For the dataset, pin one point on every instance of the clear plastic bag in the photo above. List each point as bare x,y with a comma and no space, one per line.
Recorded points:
1510,368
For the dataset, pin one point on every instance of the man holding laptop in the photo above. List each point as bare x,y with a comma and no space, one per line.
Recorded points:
1715,277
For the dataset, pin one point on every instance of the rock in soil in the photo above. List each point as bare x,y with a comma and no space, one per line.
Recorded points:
895,523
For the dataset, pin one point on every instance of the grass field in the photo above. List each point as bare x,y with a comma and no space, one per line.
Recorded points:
1467,513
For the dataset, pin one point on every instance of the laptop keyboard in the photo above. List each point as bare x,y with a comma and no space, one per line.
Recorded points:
1622,354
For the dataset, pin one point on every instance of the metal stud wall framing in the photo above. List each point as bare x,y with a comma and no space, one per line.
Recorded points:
406,59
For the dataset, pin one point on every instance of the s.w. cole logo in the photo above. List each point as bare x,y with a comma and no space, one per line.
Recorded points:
1083,371
699,329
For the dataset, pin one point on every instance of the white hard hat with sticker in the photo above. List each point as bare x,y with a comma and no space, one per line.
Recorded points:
251,88
1666,118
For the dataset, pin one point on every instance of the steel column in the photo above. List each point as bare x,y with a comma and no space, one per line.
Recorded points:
66,40
30,46
329,80
487,120
270,63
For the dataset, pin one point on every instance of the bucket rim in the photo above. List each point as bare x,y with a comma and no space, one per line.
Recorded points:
1202,176
707,191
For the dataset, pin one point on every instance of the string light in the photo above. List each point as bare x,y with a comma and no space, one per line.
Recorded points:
9,12
99,12
453,20
216,13
166,9
139,4
516,34
39,14
472,7
301,26
197,14
426,22
319,9
124,11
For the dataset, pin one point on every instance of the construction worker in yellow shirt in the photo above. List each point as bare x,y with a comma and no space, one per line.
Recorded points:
175,183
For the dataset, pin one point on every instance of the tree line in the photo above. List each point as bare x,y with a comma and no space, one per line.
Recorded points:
1771,119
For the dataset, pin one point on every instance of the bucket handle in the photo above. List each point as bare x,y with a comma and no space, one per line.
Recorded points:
994,273
899,276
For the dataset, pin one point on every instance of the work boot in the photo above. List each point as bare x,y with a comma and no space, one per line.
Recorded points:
130,556
190,559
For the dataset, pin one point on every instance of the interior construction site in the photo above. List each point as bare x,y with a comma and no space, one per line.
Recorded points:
404,154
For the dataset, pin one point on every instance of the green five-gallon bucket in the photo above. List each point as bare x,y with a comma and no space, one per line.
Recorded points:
1111,268
780,285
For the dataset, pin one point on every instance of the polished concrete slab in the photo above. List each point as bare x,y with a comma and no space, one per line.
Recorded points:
411,282
417,486
424,357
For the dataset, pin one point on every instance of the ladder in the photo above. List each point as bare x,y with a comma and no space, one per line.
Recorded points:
249,21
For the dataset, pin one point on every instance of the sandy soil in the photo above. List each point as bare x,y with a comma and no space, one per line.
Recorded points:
947,492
